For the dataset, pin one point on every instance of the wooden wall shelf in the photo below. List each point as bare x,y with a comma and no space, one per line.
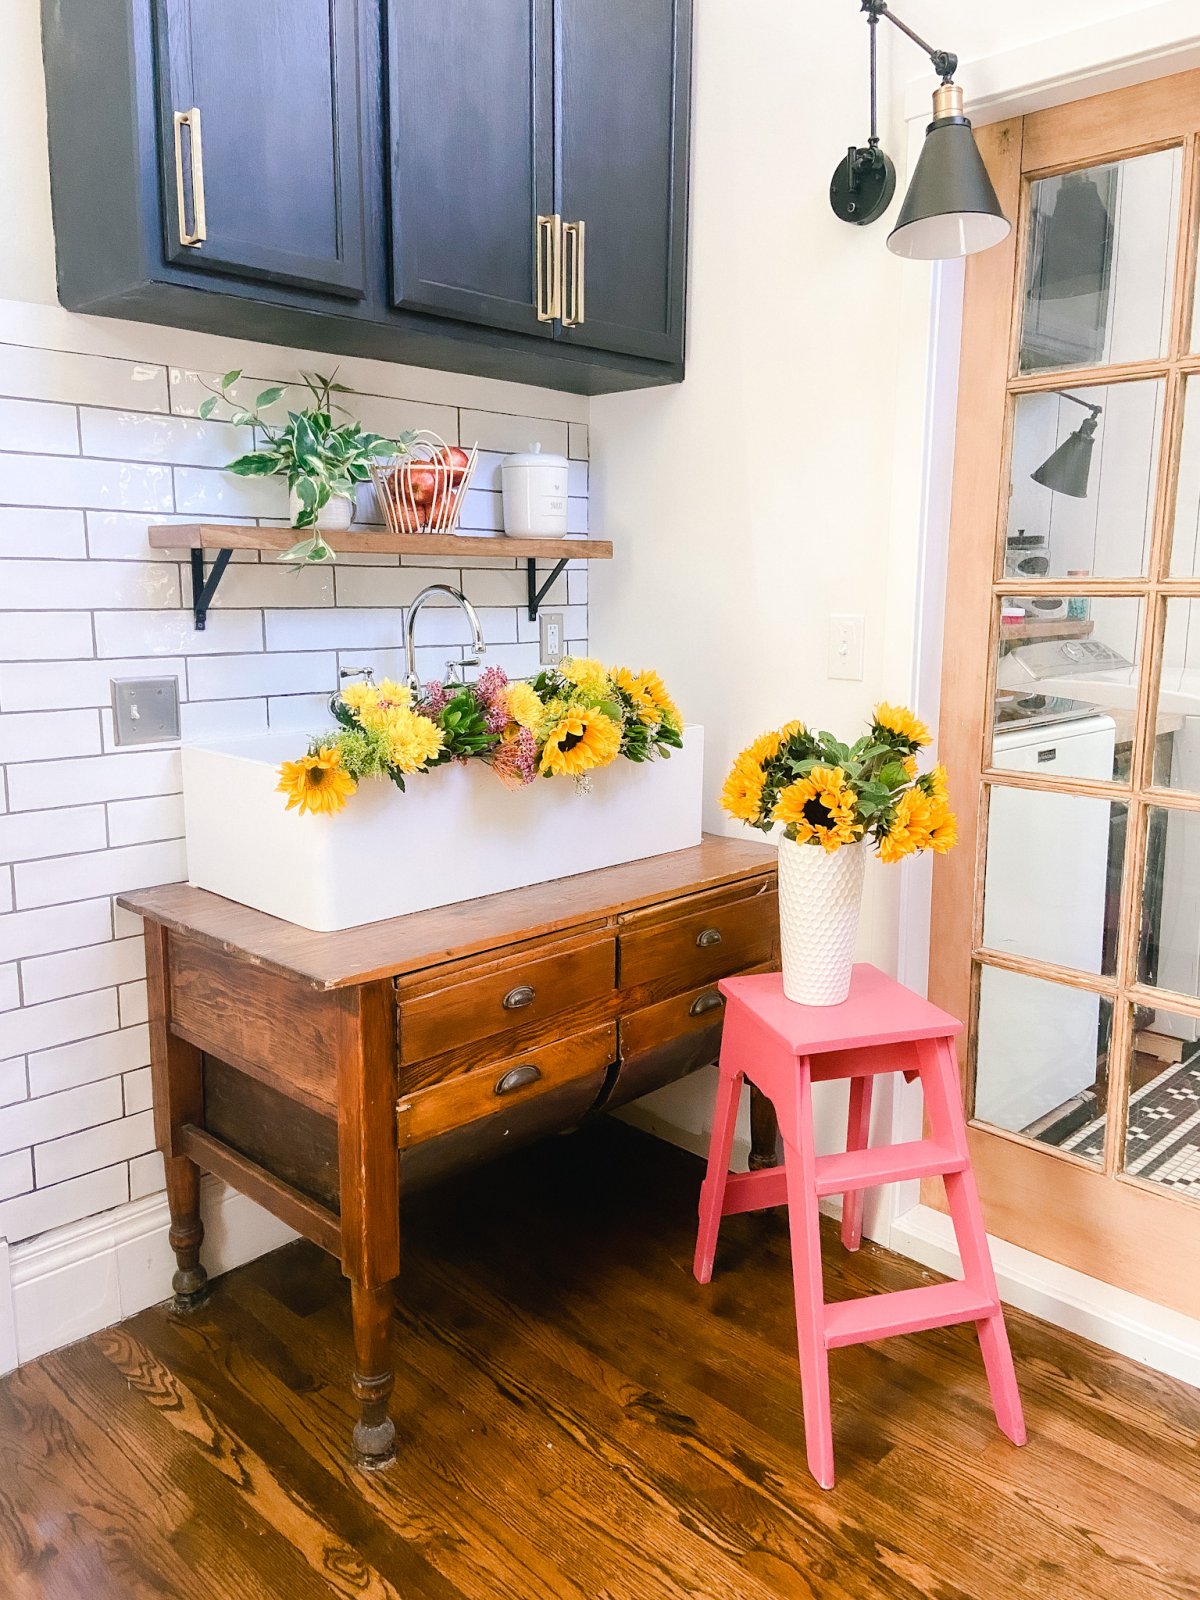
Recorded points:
224,538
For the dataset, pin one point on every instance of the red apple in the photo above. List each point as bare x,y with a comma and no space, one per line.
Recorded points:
456,459
422,482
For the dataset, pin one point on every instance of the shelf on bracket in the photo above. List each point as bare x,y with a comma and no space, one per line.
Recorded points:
203,588
536,595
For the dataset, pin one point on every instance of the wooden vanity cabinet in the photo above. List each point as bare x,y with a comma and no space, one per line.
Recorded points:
327,1076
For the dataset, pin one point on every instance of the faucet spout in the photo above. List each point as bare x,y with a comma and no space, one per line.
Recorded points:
478,643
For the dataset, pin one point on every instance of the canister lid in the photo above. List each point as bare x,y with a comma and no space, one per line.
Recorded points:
535,457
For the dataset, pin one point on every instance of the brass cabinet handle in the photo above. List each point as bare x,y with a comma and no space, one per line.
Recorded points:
517,1078
574,271
198,232
516,999
707,937
708,1001
548,268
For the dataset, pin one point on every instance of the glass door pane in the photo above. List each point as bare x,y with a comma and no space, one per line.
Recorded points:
1162,1132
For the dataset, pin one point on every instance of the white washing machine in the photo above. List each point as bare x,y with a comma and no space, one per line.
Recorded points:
1047,878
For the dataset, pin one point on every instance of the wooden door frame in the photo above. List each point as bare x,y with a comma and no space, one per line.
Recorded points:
1097,1224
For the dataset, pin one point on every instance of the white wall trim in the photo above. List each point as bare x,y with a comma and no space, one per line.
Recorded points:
75,1280
1152,1334
8,1323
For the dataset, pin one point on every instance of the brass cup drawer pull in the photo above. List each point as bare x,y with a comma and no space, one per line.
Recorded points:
708,937
710,1000
520,997
518,1078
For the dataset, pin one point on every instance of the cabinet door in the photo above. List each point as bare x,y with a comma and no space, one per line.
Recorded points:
470,111
624,69
276,83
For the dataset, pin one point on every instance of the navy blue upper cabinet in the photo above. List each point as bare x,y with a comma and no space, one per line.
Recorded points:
486,186
260,139
470,92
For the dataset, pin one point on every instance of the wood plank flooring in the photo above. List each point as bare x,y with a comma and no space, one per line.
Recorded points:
579,1419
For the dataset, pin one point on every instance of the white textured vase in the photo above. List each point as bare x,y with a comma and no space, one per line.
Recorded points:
820,894
335,516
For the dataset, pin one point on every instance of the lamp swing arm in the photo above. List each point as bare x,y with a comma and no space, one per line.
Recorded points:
945,62
1065,394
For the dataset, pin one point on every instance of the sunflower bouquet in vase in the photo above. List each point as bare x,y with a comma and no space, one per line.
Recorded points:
830,799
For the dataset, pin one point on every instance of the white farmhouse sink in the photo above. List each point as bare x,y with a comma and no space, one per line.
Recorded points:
455,833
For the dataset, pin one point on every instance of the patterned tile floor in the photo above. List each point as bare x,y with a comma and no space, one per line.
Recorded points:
1163,1141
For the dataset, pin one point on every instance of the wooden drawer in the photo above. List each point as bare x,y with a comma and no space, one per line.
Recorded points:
507,999
708,936
506,1088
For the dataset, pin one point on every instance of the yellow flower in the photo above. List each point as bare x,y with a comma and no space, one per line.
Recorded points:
938,783
634,685
742,794
910,766
768,745
910,829
821,807
653,685
372,703
361,698
412,740
582,740
901,721
523,705
942,828
586,673
317,783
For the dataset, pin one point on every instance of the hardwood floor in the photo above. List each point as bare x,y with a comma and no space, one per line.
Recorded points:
579,1419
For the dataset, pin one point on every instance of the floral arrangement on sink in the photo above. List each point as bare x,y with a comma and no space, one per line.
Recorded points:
829,799
569,721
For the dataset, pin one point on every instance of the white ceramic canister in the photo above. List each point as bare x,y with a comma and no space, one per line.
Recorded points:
535,494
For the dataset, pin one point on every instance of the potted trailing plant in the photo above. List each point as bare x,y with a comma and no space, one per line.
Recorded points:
322,451
829,799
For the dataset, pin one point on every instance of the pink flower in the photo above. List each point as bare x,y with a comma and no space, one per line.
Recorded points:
515,761
490,685
434,699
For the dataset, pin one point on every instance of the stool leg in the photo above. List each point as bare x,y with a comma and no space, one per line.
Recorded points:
712,1190
858,1137
944,1103
799,1160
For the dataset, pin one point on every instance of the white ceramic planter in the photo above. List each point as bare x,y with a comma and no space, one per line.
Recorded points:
335,516
455,834
820,895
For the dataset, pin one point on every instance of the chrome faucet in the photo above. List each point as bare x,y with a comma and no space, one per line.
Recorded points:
478,644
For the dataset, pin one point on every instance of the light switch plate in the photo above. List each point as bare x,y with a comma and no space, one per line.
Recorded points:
145,710
846,634
551,635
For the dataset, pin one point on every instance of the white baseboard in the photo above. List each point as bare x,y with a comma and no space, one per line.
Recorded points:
1152,1334
75,1280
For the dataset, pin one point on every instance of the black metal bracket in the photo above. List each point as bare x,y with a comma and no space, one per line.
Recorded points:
536,595
203,588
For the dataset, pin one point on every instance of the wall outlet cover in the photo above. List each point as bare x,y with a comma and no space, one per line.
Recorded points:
145,710
551,634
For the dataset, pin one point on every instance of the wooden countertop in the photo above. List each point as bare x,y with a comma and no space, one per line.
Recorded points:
423,938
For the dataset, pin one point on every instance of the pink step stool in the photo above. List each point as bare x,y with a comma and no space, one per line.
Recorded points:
785,1048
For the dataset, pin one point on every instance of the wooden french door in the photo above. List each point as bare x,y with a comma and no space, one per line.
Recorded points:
1067,924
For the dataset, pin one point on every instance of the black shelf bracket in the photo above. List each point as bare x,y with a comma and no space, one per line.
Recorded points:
536,595
203,588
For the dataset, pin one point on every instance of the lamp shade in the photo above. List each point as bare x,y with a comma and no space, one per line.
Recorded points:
1067,471
951,208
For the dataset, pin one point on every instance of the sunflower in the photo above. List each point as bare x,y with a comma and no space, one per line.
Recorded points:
653,685
586,673
768,745
902,724
909,830
742,795
412,740
523,705
936,784
942,828
581,740
822,808
633,686
317,783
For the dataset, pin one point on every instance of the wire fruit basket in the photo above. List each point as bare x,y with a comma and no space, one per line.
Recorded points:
423,490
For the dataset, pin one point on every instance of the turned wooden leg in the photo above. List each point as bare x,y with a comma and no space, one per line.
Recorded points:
764,1132
374,1435
190,1281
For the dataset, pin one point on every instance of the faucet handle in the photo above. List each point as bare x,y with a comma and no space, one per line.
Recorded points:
456,669
367,674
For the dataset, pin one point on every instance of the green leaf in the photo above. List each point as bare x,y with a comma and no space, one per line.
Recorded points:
268,397
207,407
231,377
258,464
306,493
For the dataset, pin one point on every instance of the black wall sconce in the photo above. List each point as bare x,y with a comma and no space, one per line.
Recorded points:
1068,469
951,208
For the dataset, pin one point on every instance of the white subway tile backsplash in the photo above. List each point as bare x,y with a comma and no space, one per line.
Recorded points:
336,629
212,719
243,676
52,1116
26,836
271,584
43,735
135,774
146,1176
44,883
132,1003
87,585
13,1085
38,425
10,988
37,374
307,712
16,1174
143,821
33,933
393,587
492,430
64,1203
577,441
52,535
207,492
87,1060
139,1091
77,1153
60,684
174,633
151,436
99,966
69,481
50,636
